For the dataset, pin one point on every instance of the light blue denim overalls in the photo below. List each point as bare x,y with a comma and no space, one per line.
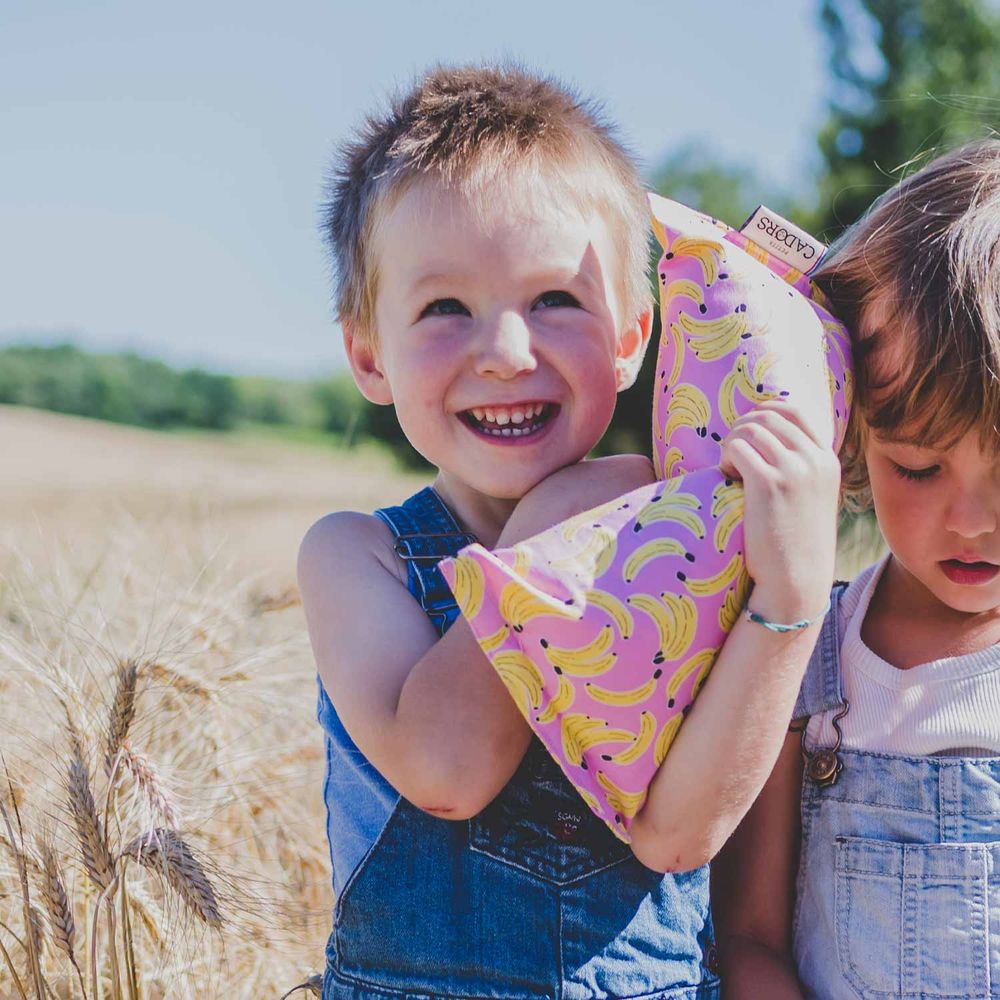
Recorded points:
899,871
533,898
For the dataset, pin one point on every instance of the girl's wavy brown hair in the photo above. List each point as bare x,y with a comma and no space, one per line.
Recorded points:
924,264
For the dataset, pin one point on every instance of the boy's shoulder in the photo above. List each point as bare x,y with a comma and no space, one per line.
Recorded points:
347,544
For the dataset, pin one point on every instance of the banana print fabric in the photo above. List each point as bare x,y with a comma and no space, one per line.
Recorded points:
604,627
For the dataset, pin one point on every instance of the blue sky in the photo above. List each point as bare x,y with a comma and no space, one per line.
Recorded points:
161,167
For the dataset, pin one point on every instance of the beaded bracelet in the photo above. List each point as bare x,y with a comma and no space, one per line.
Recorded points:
757,619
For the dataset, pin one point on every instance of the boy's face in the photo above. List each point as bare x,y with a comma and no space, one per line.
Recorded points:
499,336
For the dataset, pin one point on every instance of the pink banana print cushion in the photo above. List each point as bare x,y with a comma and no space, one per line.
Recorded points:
604,627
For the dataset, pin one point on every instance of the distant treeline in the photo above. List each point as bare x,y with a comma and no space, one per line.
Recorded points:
130,389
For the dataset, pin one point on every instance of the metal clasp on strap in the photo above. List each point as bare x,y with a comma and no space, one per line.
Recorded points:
401,550
823,766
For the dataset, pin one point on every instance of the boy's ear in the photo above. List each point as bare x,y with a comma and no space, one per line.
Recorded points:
366,366
632,344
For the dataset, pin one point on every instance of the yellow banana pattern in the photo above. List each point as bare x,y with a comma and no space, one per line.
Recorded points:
643,741
581,733
688,407
518,606
684,288
646,553
522,561
470,585
732,606
606,627
522,679
700,663
613,608
624,803
715,338
674,506
671,459
491,643
623,698
667,736
676,341
594,557
564,698
727,509
589,660
676,619
713,584
709,253
749,384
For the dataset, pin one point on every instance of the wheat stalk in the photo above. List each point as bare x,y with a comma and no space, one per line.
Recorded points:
150,784
164,851
59,908
180,681
313,985
122,711
94,849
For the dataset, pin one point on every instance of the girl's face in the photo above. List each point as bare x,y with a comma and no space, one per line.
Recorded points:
939,510
938,506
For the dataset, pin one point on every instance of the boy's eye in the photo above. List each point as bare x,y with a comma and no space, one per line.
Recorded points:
916,475
557,300
444,307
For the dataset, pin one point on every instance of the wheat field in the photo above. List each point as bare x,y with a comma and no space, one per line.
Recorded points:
160,787
160,781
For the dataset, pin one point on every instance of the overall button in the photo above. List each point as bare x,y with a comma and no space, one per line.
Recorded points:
711,960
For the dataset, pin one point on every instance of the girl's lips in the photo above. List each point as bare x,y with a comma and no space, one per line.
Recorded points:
968,573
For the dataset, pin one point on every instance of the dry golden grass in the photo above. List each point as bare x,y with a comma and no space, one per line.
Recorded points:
156,709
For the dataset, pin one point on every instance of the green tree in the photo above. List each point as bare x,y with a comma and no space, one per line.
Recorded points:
908,78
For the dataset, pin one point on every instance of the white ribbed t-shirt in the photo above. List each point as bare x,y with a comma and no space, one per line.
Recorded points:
947,706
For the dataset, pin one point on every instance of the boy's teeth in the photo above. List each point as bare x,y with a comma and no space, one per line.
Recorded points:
508,419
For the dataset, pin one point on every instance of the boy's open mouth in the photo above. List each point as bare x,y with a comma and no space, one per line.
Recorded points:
518,421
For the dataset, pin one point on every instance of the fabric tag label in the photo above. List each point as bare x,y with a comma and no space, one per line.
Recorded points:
784,240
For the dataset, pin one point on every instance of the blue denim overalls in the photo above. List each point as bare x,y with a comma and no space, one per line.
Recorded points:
899,871
532,898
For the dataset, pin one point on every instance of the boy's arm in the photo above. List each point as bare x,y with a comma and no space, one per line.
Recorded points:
753,889
728,744
430,714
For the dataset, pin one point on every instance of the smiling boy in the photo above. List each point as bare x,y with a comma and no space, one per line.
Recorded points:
490,239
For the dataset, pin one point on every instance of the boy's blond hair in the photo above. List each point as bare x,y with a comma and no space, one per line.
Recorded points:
475,127
931,247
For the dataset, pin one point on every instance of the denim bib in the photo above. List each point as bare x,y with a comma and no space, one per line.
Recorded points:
532,899
899,871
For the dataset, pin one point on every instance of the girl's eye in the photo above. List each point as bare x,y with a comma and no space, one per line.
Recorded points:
444,307
916,475
557,300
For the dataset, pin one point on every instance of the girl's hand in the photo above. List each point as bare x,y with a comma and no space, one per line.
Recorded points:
791,482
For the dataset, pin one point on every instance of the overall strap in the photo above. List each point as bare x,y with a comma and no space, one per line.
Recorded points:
425,533
820,691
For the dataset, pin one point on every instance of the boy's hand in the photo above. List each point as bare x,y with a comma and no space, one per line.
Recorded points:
791,482
572,490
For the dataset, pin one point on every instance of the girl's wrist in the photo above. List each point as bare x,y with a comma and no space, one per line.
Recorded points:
789,608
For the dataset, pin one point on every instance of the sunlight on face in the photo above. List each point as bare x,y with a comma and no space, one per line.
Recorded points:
497,332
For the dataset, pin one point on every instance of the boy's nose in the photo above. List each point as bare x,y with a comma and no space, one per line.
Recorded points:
505,348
